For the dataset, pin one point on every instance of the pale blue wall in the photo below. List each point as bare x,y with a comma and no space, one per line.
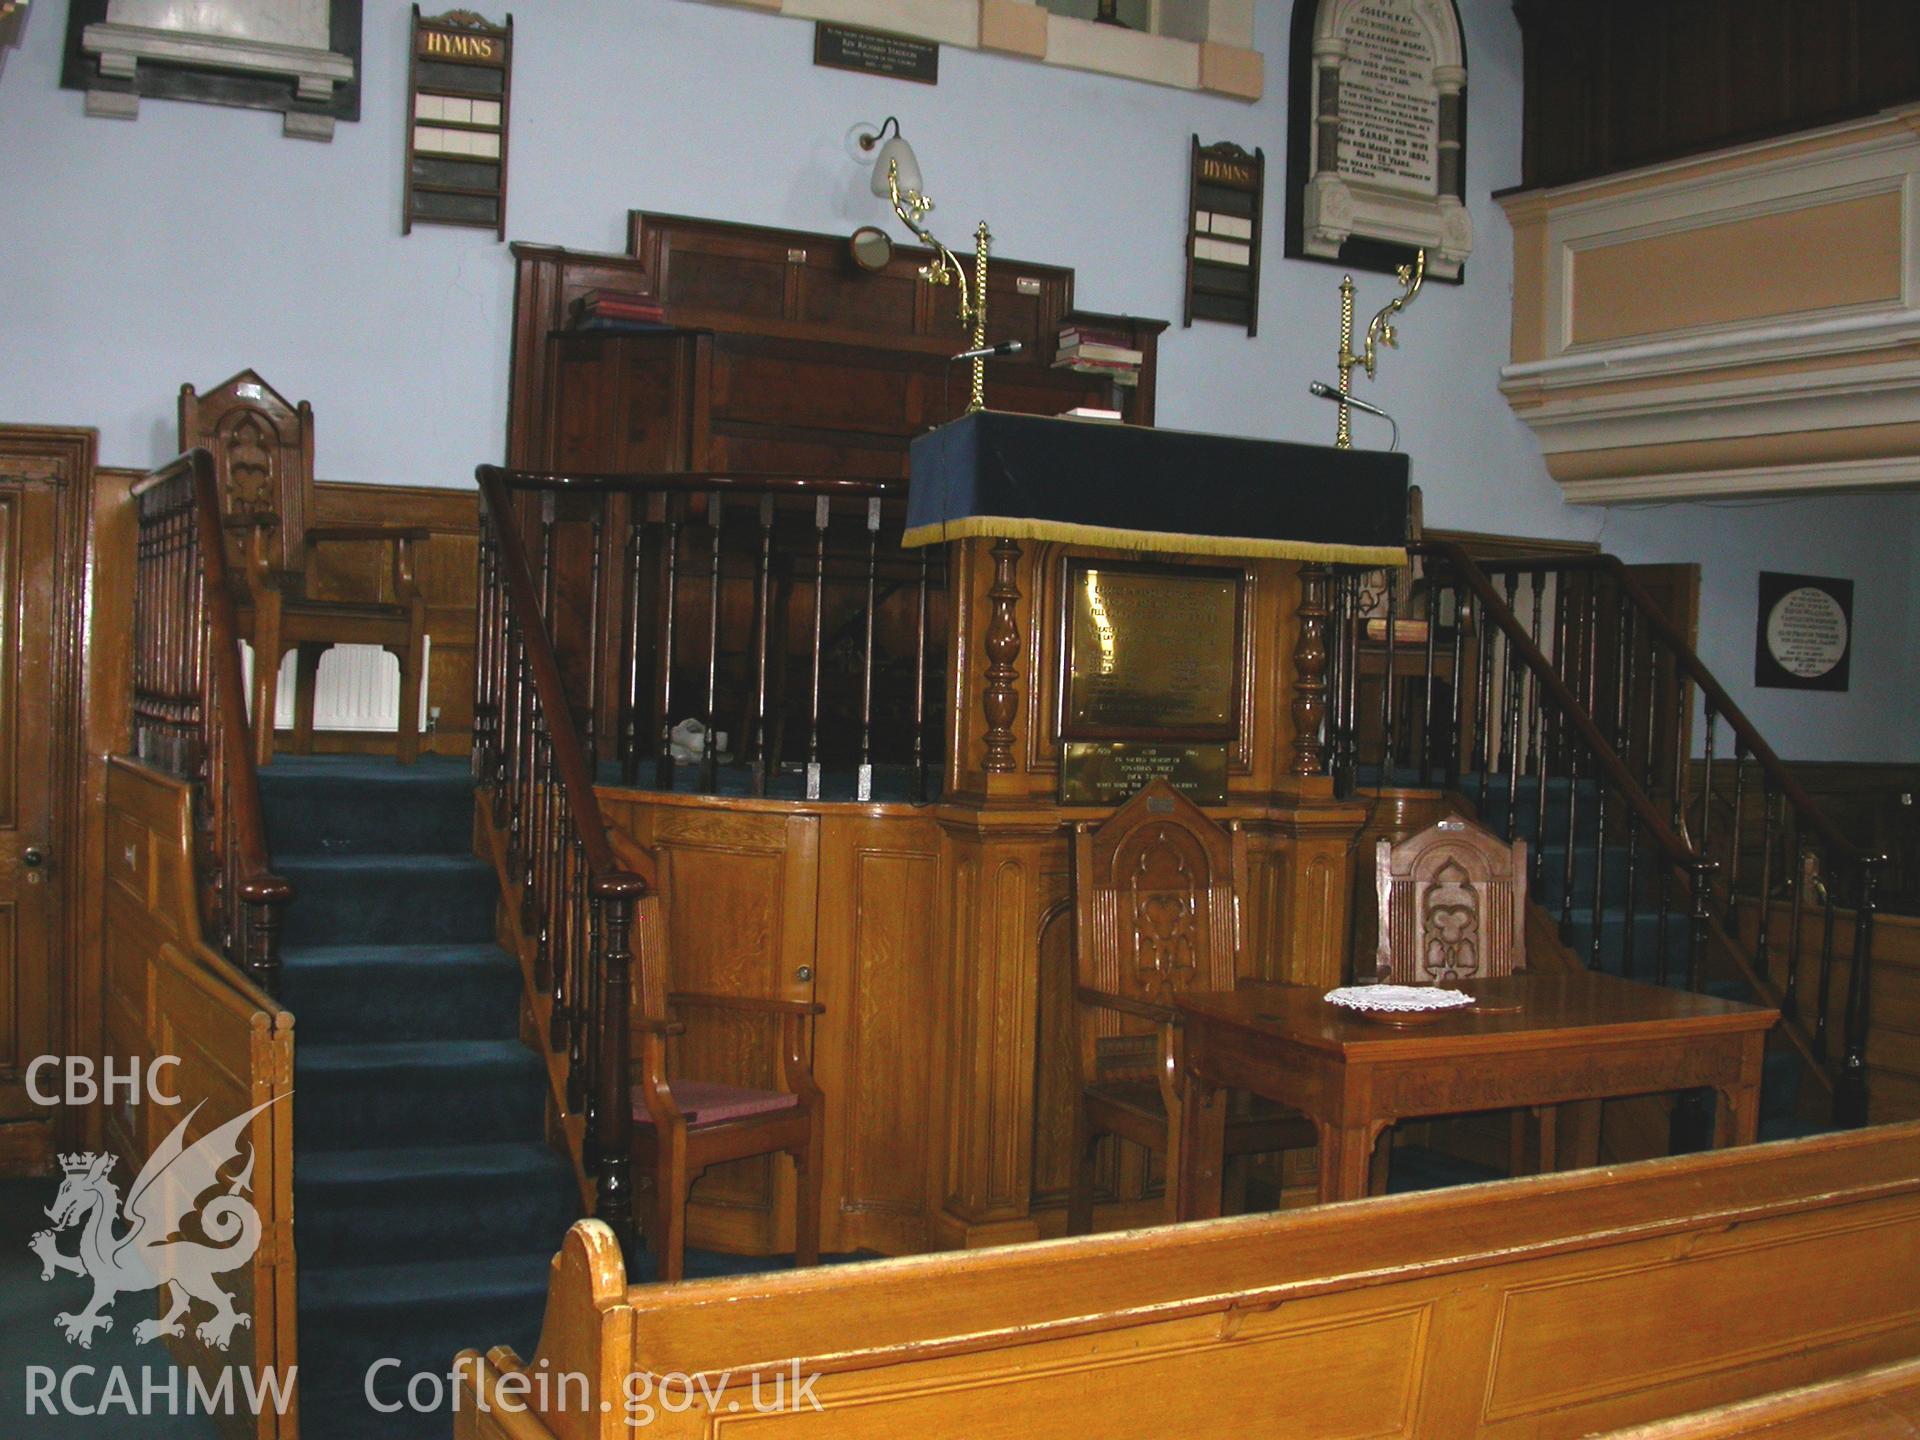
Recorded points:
197,241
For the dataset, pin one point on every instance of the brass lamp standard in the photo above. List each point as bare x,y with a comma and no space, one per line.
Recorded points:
896,179
1379,332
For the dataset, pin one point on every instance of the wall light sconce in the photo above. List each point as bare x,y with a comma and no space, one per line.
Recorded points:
897,180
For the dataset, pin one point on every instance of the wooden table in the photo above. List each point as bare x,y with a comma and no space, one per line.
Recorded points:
1572,1038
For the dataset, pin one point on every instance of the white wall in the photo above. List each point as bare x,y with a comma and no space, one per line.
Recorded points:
197,241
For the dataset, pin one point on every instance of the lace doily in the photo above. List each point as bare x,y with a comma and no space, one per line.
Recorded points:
1397,997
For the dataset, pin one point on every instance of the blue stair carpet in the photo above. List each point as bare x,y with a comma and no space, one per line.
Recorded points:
426,1202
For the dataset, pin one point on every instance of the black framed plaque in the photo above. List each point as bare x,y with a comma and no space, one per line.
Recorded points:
1150,652
873,52
1804,637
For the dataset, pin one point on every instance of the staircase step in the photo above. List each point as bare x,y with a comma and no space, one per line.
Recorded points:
1646,941
430,1202
388,899
420,1314
334,805
403,1093
1552,885
401,992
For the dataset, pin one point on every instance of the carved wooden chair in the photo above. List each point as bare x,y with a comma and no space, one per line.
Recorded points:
1156,913
1453,907
263,459
681,1125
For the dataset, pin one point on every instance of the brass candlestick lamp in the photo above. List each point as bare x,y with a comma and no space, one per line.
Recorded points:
1380,331
896,179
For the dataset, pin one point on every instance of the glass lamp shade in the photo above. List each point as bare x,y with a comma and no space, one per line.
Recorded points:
896,151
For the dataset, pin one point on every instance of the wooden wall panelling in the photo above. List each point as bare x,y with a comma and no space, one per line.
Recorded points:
741,885
49,976
446,570
879,965
1523,1314
1615,85
168,993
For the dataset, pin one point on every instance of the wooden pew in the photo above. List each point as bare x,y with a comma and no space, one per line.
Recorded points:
1557,1305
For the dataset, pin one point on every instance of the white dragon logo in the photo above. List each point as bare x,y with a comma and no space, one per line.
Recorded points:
153,1251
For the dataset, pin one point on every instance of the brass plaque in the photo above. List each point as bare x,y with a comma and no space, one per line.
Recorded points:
1108,772
1151,652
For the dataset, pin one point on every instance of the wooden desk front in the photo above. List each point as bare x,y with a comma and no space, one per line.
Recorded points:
1577,1037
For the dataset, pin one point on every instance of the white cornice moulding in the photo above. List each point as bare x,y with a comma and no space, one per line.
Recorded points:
1750,345
1825,477
1712,399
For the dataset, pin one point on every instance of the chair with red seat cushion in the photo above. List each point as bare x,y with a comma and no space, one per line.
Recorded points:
681,1126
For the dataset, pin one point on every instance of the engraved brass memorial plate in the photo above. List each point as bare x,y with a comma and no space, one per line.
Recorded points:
1108,772
1150,652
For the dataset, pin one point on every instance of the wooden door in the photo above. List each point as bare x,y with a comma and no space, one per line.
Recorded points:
45,477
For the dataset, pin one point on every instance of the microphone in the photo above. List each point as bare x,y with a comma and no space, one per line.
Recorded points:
1005,347
1327,392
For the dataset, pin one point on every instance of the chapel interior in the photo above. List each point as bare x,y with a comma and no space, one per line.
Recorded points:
1254,777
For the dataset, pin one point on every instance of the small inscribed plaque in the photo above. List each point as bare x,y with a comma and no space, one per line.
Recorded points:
872,53
1109,772
1150,652
1805,633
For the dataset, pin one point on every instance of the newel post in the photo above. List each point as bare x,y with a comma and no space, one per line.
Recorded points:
613,1114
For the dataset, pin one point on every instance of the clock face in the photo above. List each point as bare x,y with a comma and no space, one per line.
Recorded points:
1807,632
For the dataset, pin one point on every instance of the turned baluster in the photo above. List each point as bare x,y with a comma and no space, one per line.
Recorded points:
822,516
710,750
764,761
1388,730
630,696
1482,707
1623,722
1735,835
663,660
1538,731
590,722
920,682
1802,878
1426,698
864,785
1456,757
1823,888
1762,958
1850,1091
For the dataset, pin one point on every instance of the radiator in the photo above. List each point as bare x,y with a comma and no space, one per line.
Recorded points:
358,688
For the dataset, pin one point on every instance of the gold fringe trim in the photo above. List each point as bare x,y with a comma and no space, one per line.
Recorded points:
1114,538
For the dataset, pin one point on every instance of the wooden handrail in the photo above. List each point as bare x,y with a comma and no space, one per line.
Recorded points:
610,878
576,895
253,945
1745,730
1677,850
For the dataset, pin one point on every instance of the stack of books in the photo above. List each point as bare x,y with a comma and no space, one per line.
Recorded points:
1095,351
618,310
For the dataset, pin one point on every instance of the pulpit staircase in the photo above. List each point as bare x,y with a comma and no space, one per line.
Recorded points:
1553,699
427,1200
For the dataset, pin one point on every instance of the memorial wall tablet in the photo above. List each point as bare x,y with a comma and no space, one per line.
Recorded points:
1376,149
1150,678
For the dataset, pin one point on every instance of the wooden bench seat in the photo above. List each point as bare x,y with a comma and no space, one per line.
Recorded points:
1555,1305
